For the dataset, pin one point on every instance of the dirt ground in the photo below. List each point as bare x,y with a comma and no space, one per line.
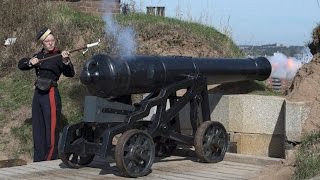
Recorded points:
306,84
278,172
305,87
283,171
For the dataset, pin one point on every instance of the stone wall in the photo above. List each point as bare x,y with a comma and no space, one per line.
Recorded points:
258,125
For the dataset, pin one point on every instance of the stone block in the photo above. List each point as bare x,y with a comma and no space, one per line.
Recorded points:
257,114
259,144
296,114
249,113
219,109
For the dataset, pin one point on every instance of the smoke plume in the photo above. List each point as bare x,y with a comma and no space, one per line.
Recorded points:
124,36
284,67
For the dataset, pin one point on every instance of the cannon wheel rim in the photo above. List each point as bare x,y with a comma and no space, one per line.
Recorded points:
135,153
211,142
74,161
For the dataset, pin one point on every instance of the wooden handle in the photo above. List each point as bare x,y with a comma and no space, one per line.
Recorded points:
56,55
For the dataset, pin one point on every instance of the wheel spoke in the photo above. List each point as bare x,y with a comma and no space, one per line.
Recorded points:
215,140
145,156
133,140
130,164
128,156
219,133
146,144
206,146
139,140
221,143
209,132
206,139
208,152
127,148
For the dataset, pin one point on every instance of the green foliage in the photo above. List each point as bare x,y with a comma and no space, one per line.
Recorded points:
308,157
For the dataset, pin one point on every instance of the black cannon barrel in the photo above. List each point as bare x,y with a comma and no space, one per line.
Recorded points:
111,76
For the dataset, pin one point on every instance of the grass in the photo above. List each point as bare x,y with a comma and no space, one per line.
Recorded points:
72,98
245,87
16,92
217,40
308,157
261,89
78,19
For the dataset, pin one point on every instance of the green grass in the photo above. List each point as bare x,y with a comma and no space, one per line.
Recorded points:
16,92
308,157
72,97
80,20
262,89
201,32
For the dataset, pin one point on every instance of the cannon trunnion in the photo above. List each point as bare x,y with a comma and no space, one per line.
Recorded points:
106,117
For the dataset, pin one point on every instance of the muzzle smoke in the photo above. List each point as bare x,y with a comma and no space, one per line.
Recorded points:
284,67
124,36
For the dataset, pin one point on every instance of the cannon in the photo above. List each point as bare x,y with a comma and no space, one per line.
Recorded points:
113,128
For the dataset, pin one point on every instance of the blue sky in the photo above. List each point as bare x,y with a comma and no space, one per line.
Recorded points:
289,22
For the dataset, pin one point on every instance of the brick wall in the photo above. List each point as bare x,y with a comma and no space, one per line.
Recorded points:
96,7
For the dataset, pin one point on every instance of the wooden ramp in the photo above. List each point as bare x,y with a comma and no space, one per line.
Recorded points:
174,167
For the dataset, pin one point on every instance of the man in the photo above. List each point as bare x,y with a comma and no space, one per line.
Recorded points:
46,104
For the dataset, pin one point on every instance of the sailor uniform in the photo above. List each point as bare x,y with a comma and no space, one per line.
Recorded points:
46,104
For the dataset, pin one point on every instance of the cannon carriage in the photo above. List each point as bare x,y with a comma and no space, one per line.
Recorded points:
141,140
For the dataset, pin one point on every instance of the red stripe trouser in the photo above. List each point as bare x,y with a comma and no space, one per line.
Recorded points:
46,114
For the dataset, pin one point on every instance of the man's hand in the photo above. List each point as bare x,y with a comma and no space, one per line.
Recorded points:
33,61
65,57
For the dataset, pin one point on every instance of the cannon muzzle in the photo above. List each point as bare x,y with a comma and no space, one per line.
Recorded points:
112,76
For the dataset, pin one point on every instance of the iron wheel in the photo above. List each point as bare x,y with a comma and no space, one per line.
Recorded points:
135,153
211,142
74,161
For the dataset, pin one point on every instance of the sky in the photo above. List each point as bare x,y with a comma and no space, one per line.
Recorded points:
248,22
